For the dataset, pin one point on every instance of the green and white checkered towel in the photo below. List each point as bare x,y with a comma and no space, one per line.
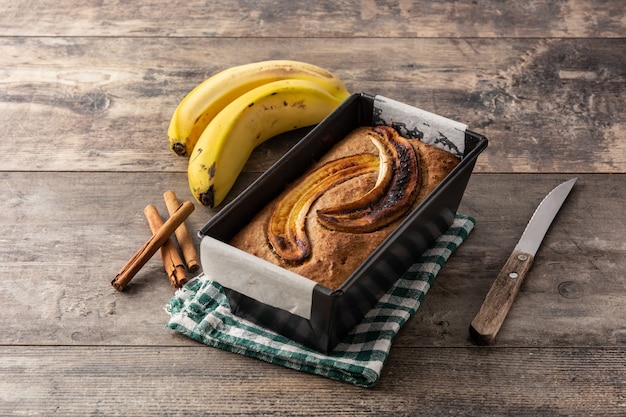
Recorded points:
201,311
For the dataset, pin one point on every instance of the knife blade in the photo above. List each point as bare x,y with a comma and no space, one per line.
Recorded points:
487,322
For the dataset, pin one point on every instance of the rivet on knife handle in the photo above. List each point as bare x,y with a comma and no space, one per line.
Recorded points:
500,297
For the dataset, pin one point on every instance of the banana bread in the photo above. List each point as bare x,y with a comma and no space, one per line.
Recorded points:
334,254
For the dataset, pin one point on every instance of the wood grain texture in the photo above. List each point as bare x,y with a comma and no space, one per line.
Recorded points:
139,381
304,19
575,285
500,297
69,233
545,105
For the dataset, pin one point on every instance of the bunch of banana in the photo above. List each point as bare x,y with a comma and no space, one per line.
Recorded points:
220,122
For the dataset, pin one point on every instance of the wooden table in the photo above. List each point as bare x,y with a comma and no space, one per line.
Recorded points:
86,92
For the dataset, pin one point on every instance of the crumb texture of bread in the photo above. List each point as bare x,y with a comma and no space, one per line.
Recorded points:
336,255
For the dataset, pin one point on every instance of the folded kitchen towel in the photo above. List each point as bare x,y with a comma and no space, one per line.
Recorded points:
200,310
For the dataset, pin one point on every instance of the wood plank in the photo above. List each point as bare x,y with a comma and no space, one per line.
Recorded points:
327,18
572,294
103,104
139,381
66,234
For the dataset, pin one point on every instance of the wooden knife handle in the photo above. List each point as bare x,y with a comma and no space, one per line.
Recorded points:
500,297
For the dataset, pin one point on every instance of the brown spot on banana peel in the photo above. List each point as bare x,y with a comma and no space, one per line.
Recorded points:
301,104
212,171
388,200
286,230
197,152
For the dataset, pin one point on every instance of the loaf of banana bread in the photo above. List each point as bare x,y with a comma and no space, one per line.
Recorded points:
325,224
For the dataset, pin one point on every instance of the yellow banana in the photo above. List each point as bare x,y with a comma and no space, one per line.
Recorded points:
207,99
266,111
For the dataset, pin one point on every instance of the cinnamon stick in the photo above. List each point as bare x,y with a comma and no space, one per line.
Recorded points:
174,266
182,234
145,252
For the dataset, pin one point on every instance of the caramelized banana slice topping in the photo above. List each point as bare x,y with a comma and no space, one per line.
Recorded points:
391,197
286,230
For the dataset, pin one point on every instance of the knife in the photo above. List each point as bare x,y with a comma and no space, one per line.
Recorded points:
499,299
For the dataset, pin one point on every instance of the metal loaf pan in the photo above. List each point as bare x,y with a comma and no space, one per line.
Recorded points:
296,307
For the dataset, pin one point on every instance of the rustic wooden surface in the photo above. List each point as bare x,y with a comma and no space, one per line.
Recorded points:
86,91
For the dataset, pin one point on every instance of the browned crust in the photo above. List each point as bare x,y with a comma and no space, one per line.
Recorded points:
335,255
